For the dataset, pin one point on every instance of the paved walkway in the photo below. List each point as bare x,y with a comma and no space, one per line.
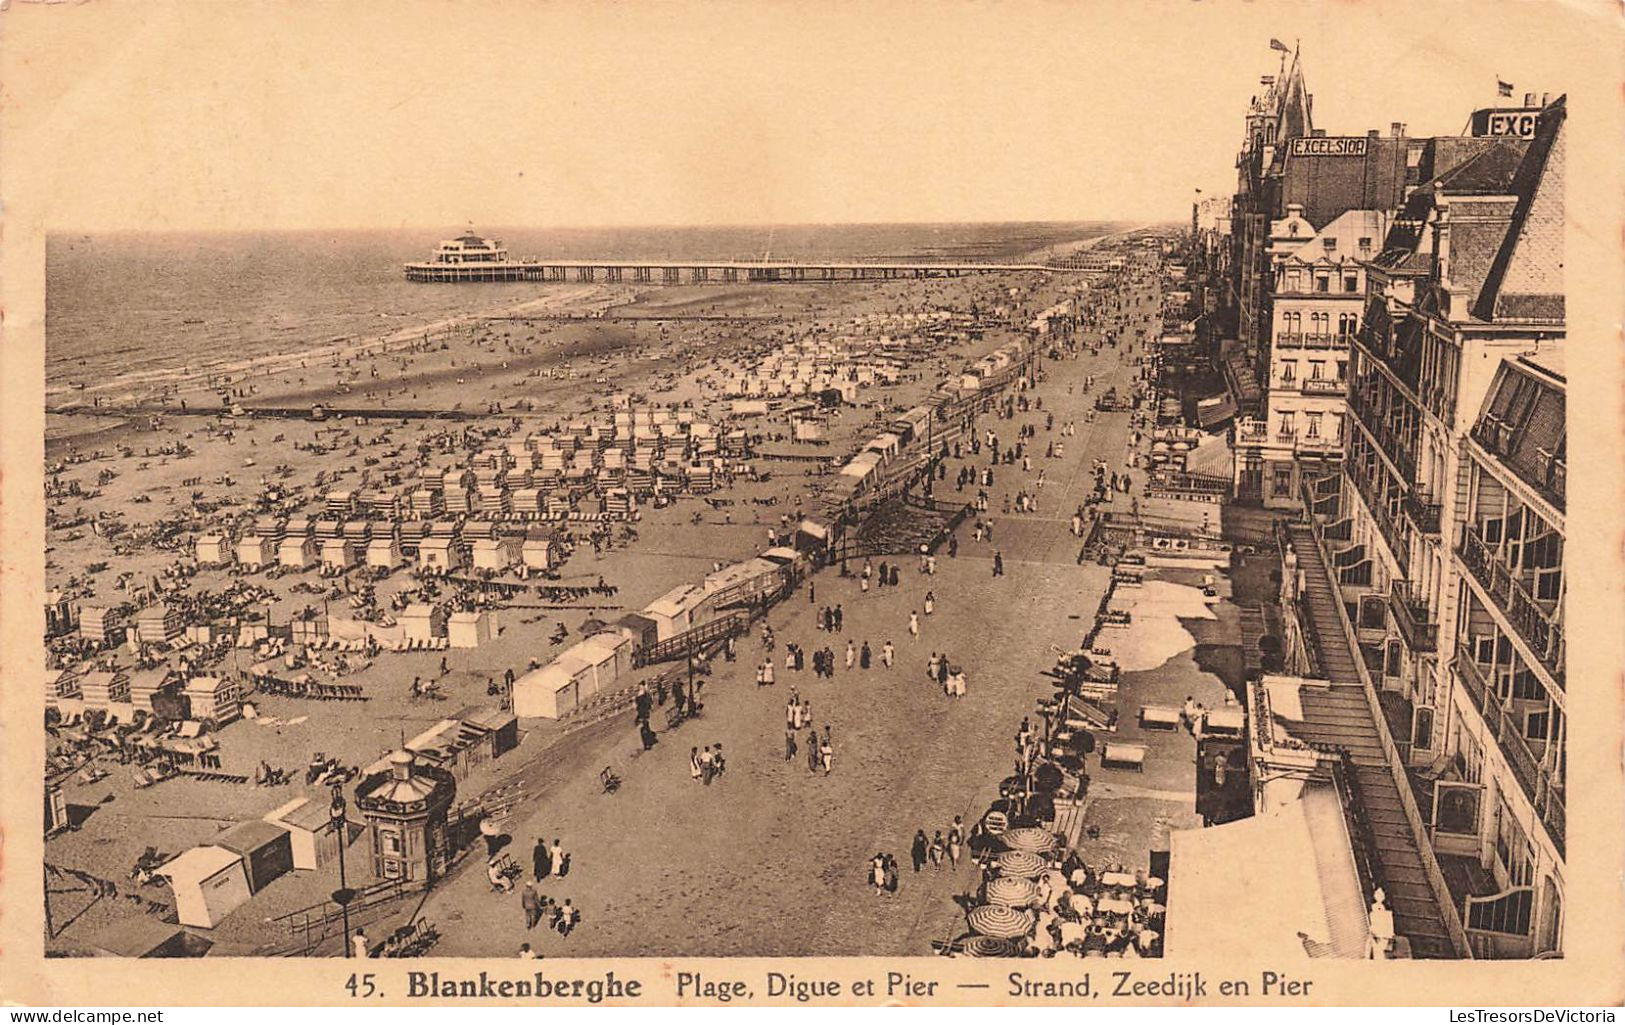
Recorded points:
771,860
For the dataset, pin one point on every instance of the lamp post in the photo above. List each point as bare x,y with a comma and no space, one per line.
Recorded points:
342,895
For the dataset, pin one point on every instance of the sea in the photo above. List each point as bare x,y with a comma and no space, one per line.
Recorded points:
124,308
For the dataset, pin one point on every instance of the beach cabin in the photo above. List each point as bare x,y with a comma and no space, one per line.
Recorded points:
103,690
209,883
158,624
384,553
297,551
539,552
264,847
673,611
60,685
552,691
256,551
213,550
215,698
466,741
495,554
640,630
440,555
147,684
423,622
469,629
313,835
611,657
338,555
751,583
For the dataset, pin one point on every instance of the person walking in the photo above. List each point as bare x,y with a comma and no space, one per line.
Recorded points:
956,841
826,753
840,618
767,673
541,860
789,742
851,655
930,602
938,849
998,564
864,656
891,876
532,903
918,851
561,861
877,873
914,625
694,772
887,654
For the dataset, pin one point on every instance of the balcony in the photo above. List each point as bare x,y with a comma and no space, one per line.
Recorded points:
1537,625
1413,617
1252,432
1423,512
1306,340
1322,386
1544,791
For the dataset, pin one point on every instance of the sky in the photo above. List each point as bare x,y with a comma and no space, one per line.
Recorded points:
153,116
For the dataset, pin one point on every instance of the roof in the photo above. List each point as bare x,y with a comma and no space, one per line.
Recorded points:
1281,885
250,836
199,863
302,813
204,684
487,718
675,601
1525,280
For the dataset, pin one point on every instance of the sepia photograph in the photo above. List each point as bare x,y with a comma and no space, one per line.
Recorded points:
969,490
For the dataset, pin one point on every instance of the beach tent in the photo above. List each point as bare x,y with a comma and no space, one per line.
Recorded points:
469,629
551,691
539,553
313,838
423,622
213,550
256,551
338,554
440,553
384,553
611,657
673,611
494,553
214,697
266,851
297,551
209,883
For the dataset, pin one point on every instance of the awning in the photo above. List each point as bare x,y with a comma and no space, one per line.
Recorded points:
1270,888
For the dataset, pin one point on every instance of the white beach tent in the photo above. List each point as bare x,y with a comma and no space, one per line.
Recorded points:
209,883
551,691
384,553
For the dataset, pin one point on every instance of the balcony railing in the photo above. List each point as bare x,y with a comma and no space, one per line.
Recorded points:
1252,431
1310,340
1544,791
1413,617
1537,625
1424,512
1398,543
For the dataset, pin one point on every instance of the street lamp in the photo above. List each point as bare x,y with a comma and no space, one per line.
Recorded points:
343,894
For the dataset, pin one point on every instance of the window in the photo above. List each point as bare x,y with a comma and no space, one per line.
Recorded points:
1342,369
1330,244
1313,420
1323,282
1536,725
1287,424
1365,241
1283,480
1422,734
1511,848
1289,370
1351,282
390,841
1317,369
1455,807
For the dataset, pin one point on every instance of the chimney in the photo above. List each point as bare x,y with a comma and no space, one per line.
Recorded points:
1545,99
1397,129
1529,99
1371,133
1318,133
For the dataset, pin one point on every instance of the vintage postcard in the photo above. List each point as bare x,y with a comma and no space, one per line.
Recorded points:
858,503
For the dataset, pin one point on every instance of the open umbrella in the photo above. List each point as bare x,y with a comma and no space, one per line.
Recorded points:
1020,863
1000,922
987,946
1012,891
1029,838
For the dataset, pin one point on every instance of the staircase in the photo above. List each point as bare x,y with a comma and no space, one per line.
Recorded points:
1341,717
695,640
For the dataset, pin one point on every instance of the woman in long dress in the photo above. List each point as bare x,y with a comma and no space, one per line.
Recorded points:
813,758
826,754
694,763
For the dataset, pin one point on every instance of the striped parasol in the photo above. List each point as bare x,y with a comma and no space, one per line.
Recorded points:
1012,891
1020,863
1029,838
1001,922
987,946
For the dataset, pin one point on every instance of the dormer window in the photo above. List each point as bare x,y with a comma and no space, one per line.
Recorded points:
1365,242
1330,244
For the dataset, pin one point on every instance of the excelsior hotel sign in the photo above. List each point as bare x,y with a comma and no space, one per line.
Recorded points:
1327,147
